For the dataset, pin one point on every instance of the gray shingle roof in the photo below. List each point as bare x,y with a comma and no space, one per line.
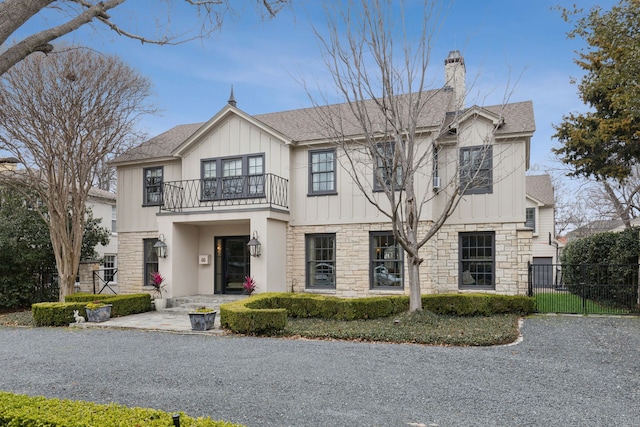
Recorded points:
309,124
540,188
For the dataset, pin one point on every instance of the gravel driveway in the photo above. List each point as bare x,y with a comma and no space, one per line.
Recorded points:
568,371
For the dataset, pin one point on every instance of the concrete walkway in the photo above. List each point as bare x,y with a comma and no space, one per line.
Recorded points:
174,319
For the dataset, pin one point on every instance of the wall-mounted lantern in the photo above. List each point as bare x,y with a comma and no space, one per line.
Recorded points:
254,245
161,247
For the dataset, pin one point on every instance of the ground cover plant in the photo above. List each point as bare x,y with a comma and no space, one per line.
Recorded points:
418,327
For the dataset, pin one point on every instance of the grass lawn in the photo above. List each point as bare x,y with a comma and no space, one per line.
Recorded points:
556,302
421,328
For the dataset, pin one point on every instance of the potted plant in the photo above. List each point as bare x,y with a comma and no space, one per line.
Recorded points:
98,311
249,285
202,319
157,282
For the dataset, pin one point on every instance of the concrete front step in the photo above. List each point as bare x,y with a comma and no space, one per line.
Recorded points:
192,302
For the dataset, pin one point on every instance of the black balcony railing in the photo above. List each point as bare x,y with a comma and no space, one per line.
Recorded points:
206,194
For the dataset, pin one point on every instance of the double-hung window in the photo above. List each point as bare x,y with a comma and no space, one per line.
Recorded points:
531,219
386,261
209,179
152,194
477,260
476,170
388,170
114,219
321,261
322,172
150,260
255,172
110,268
232,177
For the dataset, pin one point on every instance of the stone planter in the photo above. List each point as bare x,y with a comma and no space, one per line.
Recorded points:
100,314
202,321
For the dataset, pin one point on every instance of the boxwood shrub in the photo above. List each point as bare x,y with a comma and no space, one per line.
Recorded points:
269,311
21,410
61,313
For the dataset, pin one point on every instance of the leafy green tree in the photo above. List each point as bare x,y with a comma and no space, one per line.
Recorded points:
605,142
27,262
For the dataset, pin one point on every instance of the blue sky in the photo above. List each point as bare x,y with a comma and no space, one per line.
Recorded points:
515,44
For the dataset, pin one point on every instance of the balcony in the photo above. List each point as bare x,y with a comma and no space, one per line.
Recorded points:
267,190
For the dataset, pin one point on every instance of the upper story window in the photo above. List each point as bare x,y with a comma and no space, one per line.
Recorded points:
152,195
385,169
476,170
531,219
114,213
233,177
322,172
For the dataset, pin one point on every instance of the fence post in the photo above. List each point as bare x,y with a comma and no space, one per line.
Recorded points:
529,278
583,285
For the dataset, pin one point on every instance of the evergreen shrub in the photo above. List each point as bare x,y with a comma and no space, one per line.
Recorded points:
25,411
604,268
269,311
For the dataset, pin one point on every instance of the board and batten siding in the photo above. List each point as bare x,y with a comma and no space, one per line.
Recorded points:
236,137
132,215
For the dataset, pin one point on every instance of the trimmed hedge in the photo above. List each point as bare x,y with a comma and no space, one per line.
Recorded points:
478,304
604,268
61,313
25,411
269,311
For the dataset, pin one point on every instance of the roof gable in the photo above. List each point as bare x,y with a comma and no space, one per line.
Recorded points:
540,189
220,117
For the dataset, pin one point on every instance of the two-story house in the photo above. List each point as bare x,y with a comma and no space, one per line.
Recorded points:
540,211
196,200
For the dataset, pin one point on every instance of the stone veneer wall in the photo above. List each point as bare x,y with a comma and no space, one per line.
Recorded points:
131,261
438,272
85,274
513,251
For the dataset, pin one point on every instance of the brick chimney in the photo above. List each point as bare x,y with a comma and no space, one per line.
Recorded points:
455,75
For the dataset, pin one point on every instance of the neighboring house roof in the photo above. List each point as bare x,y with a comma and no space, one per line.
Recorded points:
310,124
97,193
600,226
540,188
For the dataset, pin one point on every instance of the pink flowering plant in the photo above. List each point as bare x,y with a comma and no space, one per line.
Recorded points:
249,285
157,282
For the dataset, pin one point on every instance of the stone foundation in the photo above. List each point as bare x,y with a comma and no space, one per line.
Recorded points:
438,271
131,262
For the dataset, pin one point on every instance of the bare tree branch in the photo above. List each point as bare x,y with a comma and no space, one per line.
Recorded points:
14,13
380,71
61,116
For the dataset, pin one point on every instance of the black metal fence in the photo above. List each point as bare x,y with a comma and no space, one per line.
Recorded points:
104,281
585,288
198,194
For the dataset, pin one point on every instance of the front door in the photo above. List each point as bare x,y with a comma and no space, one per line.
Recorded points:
233,264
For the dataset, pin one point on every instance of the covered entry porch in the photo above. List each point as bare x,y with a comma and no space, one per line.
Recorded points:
207,254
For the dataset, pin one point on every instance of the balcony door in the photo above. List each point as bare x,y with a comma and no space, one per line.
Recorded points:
233,264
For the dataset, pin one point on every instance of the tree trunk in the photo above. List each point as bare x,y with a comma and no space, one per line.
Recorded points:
415,298
66,283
